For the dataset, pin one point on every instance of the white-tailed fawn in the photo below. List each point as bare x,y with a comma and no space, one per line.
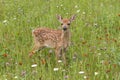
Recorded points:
59,40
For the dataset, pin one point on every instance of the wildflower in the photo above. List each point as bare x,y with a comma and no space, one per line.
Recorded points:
66,77
61,5
15,77
78,11
85,77
114,65
100,38
16,63
5,21
14,18
102,61
84,42
106,62
99,54
81,72
114,40
107,71
83,12
85,55
106,35
74,56
59,61
34,65
50,51
95,24
23,73
76,6
43,61
96,73
5,55
7,63
20,63
34,72
56,69
87,64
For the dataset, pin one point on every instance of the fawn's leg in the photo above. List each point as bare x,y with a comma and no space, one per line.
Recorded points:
57,53
63,55
37,46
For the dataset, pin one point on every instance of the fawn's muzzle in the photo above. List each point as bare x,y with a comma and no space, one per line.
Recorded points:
64,28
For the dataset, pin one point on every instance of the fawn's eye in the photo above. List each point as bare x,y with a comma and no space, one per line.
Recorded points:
61,23
68,24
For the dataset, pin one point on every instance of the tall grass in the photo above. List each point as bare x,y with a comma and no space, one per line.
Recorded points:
93,55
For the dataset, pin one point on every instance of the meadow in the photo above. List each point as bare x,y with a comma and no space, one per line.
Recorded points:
93,55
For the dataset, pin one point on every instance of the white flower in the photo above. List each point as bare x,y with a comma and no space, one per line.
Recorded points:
15,77
14,18
59,61
99,54
83,12
95,24
81,72
78,11
56,69
34,65
85,77
76,6
96,73
61,5
5,21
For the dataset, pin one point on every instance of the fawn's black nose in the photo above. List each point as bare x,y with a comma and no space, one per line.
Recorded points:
64,28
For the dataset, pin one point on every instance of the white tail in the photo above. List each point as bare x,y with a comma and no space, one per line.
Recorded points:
57,39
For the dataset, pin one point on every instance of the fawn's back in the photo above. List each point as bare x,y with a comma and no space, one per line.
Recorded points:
47,37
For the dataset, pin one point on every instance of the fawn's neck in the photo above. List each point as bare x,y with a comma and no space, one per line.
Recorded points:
65,36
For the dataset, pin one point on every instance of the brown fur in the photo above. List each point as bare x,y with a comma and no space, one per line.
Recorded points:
57,39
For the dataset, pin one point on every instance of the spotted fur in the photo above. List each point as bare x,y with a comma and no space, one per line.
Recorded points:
57,39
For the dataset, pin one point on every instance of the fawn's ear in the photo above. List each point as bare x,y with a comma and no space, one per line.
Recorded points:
59,18
72,18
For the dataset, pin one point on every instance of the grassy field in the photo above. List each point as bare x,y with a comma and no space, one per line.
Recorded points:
93,55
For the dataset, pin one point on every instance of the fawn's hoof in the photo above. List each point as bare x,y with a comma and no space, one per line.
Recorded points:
30,54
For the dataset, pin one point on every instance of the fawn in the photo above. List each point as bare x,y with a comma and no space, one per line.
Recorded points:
57,39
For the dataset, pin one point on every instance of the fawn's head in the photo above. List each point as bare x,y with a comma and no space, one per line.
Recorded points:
65,23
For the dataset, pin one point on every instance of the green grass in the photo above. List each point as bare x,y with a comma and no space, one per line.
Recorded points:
95,39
